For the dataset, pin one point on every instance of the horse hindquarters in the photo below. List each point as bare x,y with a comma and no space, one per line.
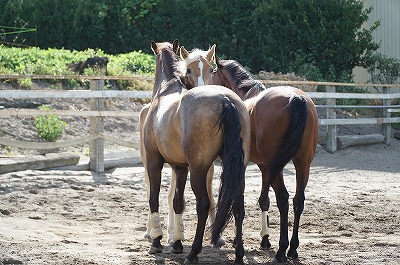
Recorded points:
216,125
231,200
272,173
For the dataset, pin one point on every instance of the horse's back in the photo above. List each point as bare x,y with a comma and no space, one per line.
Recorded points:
270,120
185,128
200,112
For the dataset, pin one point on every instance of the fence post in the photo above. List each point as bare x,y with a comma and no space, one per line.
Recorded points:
386,127
96,147
331,144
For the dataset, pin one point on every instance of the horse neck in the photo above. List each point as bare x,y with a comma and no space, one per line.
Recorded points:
245,86
256,88
167,78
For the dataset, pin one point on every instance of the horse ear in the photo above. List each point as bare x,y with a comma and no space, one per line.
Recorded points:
154,47
175,46
217,61
210,56
184,53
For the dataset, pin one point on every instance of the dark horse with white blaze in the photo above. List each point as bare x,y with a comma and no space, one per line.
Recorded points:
189,129
284,127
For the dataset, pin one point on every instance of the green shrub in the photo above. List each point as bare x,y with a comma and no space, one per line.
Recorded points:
49,127
384,69
25,82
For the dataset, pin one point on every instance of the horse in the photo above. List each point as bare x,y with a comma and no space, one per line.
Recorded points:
284,127
189,129
171,191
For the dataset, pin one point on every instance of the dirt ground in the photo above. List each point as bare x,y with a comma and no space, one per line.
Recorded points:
351,214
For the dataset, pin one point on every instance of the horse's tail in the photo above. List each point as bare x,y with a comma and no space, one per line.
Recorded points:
233,168
294,135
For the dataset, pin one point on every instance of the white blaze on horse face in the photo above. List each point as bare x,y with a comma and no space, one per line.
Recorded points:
200,79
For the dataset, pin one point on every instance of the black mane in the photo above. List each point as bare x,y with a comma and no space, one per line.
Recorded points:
242,78
172,72
170,63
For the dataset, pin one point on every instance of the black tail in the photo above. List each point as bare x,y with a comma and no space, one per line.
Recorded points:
294,135
233,169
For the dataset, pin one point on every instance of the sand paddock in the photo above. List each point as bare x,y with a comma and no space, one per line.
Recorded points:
351,214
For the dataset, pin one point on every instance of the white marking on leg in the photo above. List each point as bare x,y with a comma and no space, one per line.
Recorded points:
171,212
148,224
264,224
178,231
200,79
156,226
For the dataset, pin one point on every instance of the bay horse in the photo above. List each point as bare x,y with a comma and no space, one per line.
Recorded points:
189,129
284,127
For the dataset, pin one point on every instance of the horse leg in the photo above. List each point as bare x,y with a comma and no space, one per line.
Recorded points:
282,200
199,187
148,224
302,175
154,172
264,203
171,213
179,205
239,217
212,212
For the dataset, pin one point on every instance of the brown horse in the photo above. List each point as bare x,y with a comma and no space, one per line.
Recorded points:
284,127
171,191
189,129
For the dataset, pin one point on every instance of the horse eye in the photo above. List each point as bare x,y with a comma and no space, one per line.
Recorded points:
188,71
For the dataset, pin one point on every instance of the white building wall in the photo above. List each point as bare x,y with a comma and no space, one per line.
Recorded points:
387,34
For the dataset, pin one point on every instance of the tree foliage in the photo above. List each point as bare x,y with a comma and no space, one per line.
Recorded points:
321,39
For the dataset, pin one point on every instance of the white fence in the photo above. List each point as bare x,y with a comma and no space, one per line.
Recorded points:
97,94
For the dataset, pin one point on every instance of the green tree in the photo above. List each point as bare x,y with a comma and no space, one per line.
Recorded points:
325,34
321,39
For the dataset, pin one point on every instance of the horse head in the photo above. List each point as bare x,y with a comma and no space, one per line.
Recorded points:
167,66
197,66
157,47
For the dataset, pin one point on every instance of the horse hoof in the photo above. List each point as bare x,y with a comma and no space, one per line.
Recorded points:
187,262
280,259
220,242
292,254
177,247
265,244
155,250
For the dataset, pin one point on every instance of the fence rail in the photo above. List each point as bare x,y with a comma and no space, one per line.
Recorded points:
97,112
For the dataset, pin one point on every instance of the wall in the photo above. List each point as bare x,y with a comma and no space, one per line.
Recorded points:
388,33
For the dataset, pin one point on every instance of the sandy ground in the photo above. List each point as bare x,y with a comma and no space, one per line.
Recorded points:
351,214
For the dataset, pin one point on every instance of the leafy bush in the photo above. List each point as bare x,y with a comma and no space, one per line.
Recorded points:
383,69
49,127
55,62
